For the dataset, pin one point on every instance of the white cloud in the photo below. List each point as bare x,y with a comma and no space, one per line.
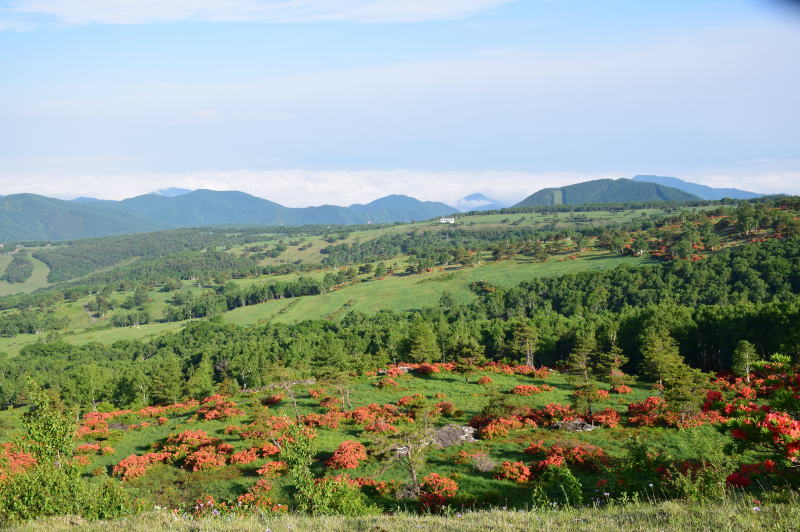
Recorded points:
302,188
77,12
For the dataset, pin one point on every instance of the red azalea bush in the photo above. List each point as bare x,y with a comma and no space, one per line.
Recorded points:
608,417
273,469
217,407
579,454
136,465
348,455
246,456
622,389
14,461
436,490
514,471
527,389
485,380
205,458
427,369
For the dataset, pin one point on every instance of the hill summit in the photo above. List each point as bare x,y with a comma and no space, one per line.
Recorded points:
605,191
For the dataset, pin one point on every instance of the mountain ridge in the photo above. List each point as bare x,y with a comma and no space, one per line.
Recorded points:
701,191
35,217
605,191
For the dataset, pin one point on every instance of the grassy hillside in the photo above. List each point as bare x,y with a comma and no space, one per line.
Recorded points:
37,280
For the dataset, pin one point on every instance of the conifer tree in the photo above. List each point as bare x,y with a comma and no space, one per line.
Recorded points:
524,341
579,366
744,356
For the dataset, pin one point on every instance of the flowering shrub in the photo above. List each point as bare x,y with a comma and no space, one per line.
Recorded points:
270,449
485,380
551,414
435,490
608,418
205,458
514,471
557,455
647,413
330,419
217,407
408,400
427,369
93,448
271,400
245,457
602,394
743,477
622,388
527,389
385,383
257,497
14,461
347,456
331,403
380,426
136,465
273,469
446,408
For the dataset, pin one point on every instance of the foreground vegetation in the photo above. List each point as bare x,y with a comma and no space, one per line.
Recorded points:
735,514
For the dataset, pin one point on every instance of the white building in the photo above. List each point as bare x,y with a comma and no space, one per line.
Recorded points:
447,220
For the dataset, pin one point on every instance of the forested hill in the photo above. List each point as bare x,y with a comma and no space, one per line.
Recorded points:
33,217
605,191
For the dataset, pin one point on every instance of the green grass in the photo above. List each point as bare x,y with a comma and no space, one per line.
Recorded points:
421,290
735,514
37,280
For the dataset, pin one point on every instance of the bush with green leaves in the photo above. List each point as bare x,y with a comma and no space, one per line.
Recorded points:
557,487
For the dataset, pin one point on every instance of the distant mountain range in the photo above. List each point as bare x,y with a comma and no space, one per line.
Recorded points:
701,191
478,202
605,191
33,217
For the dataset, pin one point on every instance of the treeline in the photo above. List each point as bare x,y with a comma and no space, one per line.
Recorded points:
232,296
19,269
30,322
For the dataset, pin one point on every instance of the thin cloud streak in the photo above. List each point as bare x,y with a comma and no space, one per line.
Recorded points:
80,12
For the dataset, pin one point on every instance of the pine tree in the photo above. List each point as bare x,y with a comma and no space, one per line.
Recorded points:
744,356
609,367
167,380
579,367
524,341
201,381
421,343
660,355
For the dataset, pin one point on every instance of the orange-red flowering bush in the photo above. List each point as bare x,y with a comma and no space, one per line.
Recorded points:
136,465
436,490
514,471
273,469
348,455
485,380
14,461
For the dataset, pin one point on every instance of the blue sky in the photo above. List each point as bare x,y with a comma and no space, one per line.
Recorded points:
341,101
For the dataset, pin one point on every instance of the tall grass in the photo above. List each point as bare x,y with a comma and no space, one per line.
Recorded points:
738,513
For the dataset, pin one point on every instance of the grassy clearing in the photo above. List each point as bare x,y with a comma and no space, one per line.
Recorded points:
734,515
417,291
37,280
